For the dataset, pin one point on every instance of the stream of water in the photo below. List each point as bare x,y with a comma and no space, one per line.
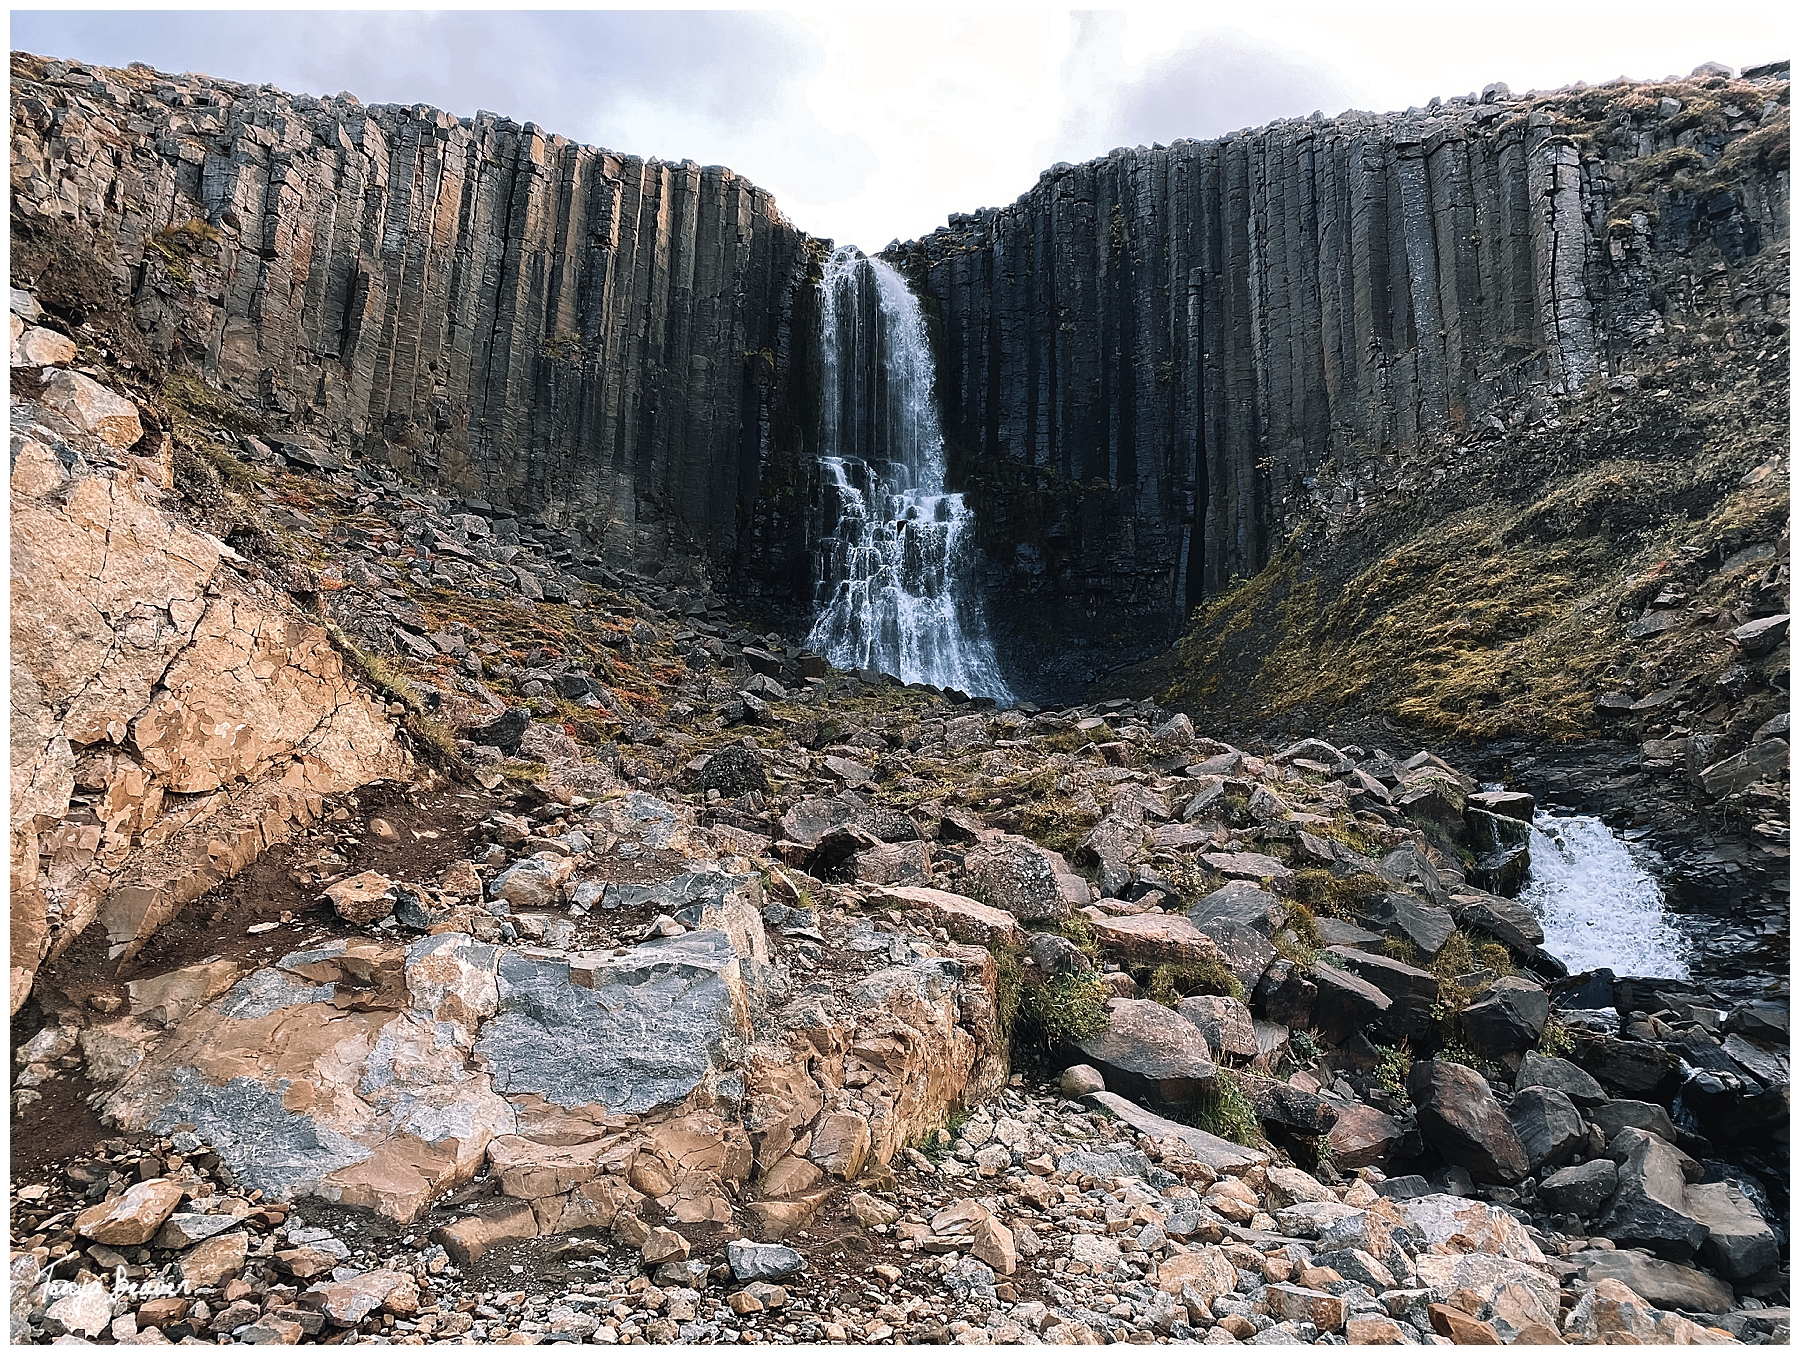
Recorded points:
893,566
1600,906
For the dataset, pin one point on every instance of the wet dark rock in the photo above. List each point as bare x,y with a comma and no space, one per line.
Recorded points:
1628,1114
1739,1242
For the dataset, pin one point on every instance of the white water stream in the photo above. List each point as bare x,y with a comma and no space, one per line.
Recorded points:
1601,909
892,574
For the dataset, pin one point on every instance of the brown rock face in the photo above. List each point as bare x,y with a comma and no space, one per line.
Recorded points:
145,666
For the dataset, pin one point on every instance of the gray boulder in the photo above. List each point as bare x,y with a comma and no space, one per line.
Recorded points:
762,1260
1661,1283
1739,1241
1031,882
1150,1052
1650,1208
1614,1116
1243,903
1406,915
733,771
1246,953
1460,1117
1580,1190
1560,1075
1548,1125
1509,1018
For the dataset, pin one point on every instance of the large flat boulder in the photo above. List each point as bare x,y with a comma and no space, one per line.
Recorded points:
1243,903
1150,1052
1739,1242
1221,1155
1663,1283
1155,938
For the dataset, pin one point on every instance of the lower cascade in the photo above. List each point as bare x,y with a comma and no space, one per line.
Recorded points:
1600,907
895,550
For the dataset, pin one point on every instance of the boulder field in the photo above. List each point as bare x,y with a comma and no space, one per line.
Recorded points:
425,930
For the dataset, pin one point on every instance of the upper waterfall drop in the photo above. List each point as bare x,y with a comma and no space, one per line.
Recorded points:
893,559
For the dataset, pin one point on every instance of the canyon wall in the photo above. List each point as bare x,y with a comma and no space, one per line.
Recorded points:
526,322
1148,365
1146,360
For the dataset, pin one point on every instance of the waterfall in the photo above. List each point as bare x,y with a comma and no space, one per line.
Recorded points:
1600,908
893,586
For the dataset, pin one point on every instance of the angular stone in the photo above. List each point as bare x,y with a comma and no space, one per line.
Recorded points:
840,1145
1509,1018
1739,1242
1224,1023
1458,1114
1624,1113
1295,1303
1512,923
1206,1270
92,408
1250,866
133,1218
1483,1228
469,1239
1650,1208
40,347
1243,903
1549,1127
184,1230
964,918
1363,1137
347,1302
362,899
1151,1052
1155,938
639,1031
664,1244
215,1260
762,1260
992,1244
1245,952
1559,1075
1346,1005
1031,882
1659,1282
1580,1190
1462,1329
87,1312
1220,1154
1412,991
1407,916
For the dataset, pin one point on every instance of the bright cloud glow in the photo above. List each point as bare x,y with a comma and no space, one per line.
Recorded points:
871,125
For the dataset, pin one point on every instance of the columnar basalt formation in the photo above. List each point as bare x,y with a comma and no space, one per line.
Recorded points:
1146,360
536,324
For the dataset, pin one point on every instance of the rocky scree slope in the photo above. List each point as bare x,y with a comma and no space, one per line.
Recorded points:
688,1016
1158,366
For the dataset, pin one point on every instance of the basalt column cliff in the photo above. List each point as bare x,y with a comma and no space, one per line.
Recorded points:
546,327
1146,359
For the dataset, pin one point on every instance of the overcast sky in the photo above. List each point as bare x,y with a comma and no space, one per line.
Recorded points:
870,125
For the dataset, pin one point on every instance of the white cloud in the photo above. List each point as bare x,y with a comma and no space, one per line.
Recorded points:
869,125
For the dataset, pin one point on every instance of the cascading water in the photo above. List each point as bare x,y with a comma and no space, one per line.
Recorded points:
893,564
1600,908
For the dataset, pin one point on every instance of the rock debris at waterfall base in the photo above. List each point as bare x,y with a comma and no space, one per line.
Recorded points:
696,942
